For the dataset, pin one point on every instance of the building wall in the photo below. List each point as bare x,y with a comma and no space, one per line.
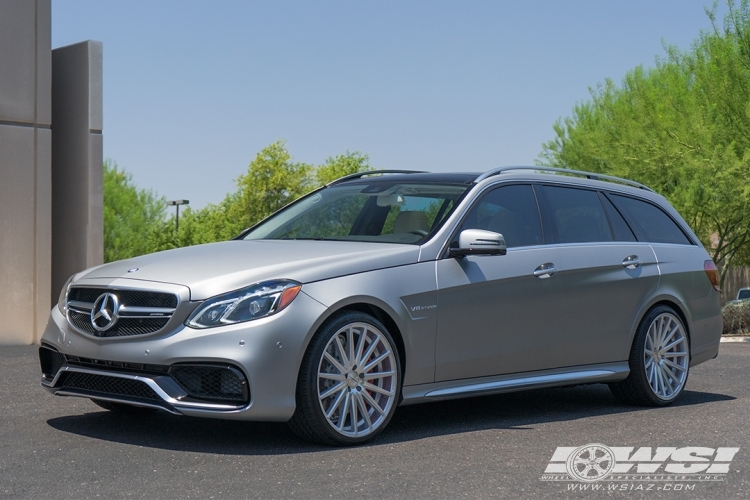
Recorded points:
77,199
50,166
25,175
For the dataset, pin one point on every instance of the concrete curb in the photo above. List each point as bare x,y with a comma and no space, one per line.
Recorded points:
738,338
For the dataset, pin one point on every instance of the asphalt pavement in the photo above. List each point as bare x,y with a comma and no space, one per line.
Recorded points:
488,447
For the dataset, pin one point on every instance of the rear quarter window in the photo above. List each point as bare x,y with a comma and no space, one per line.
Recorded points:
650,222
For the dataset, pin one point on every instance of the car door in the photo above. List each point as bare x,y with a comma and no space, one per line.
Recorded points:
604,276
503,314
492,310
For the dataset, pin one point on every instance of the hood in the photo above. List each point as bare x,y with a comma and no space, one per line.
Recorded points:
216,268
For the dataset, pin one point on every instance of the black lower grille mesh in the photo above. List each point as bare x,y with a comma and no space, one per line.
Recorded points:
108,386
214,383
51,361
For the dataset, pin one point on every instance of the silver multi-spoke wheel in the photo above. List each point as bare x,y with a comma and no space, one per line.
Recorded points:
666,356
357,378
659,360
349,382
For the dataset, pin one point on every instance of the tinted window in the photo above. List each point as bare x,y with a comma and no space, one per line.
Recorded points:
577,215
620,228
511,211
652,224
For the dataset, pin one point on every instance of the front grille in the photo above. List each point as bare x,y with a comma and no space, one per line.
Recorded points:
51,361
212,382
104,385
133,298
152,311
124,327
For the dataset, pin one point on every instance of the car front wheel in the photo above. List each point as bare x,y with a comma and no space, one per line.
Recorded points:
659,361
349,382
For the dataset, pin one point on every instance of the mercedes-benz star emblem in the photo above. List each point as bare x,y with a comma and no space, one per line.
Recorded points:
104,313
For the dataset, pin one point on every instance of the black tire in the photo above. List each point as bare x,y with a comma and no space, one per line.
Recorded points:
637,389
309,420
122,408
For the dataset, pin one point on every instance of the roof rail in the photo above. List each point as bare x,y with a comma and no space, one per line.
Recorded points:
359,175
588,175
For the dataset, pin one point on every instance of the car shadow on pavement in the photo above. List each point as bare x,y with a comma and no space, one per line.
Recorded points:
514,411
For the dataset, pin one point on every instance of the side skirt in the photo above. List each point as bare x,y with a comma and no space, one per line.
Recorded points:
453,389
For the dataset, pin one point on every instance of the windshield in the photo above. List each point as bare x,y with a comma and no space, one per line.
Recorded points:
376,211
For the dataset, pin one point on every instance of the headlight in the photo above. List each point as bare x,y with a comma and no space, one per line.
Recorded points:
64,295
246,304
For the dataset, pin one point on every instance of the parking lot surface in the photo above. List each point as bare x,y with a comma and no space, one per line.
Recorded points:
488,447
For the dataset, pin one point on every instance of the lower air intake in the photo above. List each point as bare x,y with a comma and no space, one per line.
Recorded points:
104,385
216,383
51,361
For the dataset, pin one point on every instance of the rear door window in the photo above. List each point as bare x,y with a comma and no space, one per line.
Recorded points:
576,215
649,221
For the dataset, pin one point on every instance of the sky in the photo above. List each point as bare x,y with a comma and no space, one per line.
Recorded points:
193,90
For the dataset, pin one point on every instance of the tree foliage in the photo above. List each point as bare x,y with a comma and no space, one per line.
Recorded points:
683,128
130,215
136,223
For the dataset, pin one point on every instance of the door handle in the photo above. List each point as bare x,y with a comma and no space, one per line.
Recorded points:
631,262
546,270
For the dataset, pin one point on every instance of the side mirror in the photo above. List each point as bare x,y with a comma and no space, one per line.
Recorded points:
479,242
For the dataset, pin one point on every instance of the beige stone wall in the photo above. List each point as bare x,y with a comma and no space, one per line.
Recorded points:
25,175
50,166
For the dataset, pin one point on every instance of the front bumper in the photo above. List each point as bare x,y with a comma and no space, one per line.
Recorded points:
265,353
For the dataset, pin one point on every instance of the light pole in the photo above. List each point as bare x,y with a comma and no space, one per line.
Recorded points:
176,204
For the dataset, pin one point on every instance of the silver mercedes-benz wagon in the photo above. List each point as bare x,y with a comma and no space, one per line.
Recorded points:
388,288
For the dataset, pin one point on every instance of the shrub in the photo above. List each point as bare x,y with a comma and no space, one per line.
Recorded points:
736,317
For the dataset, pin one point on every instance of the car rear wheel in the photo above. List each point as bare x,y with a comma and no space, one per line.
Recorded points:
349,382
659,361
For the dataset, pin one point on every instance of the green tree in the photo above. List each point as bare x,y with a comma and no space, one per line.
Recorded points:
272,181
683,128
339,166
136,221
130,215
